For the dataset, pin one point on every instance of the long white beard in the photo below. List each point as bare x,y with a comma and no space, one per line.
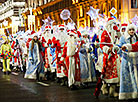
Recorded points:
71,46
48,36
113,33
62,37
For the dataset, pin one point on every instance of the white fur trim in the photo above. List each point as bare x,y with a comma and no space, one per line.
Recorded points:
62,58
115,48
126,96
30,58
46,45
59,55
52,44
113,80
41,75
105,49
130,26
48,29
126,35
133,54
122,28
35,35
71,33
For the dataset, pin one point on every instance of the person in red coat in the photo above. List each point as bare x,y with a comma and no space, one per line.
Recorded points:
110,69
131,47
70,55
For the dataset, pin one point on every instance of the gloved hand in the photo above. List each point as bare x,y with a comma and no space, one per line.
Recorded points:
115,48
90,50
31,60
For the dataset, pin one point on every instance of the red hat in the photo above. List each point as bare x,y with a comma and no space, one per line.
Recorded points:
48,27
68,30
79,34
61,26
72,33
110,21
32,32
124,24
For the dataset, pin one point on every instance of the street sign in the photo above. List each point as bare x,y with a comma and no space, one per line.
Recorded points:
113,11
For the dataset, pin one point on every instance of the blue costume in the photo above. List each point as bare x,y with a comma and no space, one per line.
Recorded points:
35,67
128,71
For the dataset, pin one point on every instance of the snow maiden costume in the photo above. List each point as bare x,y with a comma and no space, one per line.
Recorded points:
88,73
35,67
129,65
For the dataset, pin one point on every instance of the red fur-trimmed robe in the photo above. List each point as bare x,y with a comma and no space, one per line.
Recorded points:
109,60
135,47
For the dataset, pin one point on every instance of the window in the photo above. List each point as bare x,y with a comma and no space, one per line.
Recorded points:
134,3
119,4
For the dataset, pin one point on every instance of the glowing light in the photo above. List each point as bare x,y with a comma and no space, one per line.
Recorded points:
73,1
81,11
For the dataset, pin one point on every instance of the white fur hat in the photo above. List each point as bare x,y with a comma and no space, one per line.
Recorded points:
124,25
130,26
35,34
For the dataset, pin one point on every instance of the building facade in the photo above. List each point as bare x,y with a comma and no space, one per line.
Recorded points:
10,11
41,9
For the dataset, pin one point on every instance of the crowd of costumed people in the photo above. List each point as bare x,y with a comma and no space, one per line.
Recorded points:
105,54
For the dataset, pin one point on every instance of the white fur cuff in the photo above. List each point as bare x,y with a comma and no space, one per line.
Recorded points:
115,48
30,58
105,49
59,55
128,47
46,45
62,58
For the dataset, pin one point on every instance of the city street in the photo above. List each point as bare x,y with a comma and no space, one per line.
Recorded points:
14,88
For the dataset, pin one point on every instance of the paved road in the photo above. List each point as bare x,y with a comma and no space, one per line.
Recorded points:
14,88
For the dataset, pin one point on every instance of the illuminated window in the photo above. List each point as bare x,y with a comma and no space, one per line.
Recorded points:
81,11
75,1
134,3
119,4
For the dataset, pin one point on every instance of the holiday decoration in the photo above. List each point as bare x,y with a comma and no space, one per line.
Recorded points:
93,13
135,20
48,21
65,14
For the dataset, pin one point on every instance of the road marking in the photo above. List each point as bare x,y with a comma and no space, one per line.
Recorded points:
15,73
44,84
